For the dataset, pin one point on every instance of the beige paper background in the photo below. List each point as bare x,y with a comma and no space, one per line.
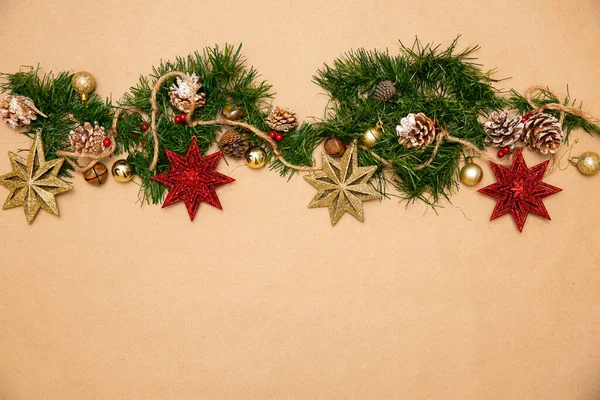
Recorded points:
265,300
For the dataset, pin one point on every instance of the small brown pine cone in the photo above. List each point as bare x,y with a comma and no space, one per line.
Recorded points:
181,92
17,111
384,91
503,130
233,144
543,133
416,131
282,119
88,139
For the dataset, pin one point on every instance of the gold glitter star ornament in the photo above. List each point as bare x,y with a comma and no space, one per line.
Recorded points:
34,182
342,187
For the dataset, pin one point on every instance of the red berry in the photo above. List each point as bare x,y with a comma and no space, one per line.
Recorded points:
346,145
525,117
506,150
272,134
133,135
182,117
279,137
177,119
106,142
145,127
501,154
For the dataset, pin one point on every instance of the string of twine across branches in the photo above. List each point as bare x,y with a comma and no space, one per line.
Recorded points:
442,133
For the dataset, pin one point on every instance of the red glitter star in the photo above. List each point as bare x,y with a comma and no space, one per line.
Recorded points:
193,179
519,190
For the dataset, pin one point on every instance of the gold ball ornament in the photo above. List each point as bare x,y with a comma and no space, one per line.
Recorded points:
255,157
83,83
233,113
471,174
588,163
122,171
371,136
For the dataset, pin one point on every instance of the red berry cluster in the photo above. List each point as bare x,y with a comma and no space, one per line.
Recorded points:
144,127
181,118
276,136
503,152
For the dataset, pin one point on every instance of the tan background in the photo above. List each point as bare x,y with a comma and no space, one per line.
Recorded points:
264,299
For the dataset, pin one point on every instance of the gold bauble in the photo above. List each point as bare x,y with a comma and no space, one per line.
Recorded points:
471,174
233,113
122,171
83,83
588,163
255,157
371,136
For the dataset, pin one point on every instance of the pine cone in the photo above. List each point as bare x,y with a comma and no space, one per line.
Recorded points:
543,132
416,131
87,139
233,144
181,94
282,119
17,111
384,91
502,130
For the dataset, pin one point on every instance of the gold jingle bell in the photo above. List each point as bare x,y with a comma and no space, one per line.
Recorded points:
587,163
233,113
83,83
334,147
471,174
255,157
122,171
96,175
371,136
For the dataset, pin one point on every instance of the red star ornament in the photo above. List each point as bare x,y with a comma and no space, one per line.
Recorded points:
193,179
519,190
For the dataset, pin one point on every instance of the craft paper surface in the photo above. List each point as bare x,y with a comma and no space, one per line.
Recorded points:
265,300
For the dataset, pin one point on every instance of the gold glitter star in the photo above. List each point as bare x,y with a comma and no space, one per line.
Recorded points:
343,186
34,182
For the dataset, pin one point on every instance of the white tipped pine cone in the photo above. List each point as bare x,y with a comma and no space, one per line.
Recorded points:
17,111
282,119
181,94
543,133
416,131
88,139
503,130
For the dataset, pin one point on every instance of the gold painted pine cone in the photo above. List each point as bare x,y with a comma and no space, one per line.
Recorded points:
503,130
282,119
233,144
17,111
87,139
416,131
543,133
180,94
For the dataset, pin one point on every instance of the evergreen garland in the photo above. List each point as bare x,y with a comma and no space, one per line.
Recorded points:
446,84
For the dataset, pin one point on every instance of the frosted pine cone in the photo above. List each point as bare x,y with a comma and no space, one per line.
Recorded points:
181,93
86,139
416,131
503,130
282,119
543,132
384,91
233,144
17,111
